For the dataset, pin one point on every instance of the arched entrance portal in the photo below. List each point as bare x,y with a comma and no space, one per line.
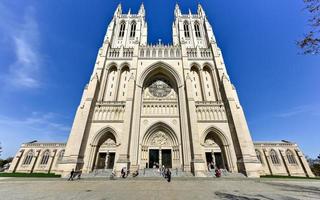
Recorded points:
216,148
105,151
160,147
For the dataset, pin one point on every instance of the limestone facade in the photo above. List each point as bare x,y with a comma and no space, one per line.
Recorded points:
38,158
282,158
151,105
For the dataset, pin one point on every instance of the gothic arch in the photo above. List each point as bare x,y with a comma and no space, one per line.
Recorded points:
104,132
219,133
124,64
195,65
206,64
160,126
168,70
110,65
222,141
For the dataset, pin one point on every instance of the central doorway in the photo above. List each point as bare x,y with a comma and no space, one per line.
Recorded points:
159,158
153,158
166,158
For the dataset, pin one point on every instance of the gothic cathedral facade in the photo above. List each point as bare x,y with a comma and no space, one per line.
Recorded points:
173,105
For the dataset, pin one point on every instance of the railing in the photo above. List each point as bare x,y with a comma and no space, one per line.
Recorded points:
199,53
120,53
43,144
210,111
159,51
160,108
109,111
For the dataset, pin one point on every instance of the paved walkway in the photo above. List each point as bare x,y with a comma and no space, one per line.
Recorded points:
150,189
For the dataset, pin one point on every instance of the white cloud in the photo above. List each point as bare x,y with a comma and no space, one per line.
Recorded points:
24,36
44,127
310,109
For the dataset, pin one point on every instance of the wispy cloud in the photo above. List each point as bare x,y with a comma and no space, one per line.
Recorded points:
311,109
24,37
40,122
44,127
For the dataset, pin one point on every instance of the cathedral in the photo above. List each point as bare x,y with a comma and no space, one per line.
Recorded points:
152,105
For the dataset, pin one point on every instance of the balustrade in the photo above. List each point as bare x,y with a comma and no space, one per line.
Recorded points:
210,111
109,111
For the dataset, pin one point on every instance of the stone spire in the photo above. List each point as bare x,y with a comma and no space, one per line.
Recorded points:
200,10
177,11
142,11
118,11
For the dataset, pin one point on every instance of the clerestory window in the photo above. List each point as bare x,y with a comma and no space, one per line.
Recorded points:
197,29
133,29
186,29
122,29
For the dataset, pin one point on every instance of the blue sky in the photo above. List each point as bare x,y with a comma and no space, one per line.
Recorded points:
48,50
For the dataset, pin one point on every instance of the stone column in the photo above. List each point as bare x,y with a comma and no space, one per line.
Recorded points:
123,149
97,160
199,165
269,162
160,157
52,159
106,161
213,159
35,161
304,163
16,161
285,161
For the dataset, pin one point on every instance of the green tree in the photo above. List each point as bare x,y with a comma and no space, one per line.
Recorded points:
310,43
314,165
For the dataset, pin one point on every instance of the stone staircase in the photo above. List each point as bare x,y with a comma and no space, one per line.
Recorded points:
98,173
225,174
147,172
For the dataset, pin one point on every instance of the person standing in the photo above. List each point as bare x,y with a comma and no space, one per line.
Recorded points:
168,175
71,175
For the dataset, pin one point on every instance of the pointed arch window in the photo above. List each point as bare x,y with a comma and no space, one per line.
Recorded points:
133,29
274,157
197,29
290,157
186,29
28,158
259,156
45,158
61,154
122,29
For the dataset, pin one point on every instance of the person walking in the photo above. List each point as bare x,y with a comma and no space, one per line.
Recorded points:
123,172
71,175
169,175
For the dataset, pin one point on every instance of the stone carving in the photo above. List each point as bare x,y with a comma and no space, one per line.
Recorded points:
160,139
109,142
209,142
159,88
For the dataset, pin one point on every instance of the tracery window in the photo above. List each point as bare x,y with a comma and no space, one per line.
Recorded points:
133,29
28,158
160,88
45,158
259,156
274,157
197,29
186,29
290,157
60,155
122,29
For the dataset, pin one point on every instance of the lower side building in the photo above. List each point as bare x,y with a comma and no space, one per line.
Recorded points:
280,158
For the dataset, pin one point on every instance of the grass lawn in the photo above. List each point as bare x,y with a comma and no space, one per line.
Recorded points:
38,175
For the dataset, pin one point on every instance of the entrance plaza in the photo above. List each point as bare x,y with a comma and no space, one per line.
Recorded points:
159,188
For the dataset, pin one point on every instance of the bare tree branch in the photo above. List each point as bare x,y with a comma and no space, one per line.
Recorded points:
310,44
